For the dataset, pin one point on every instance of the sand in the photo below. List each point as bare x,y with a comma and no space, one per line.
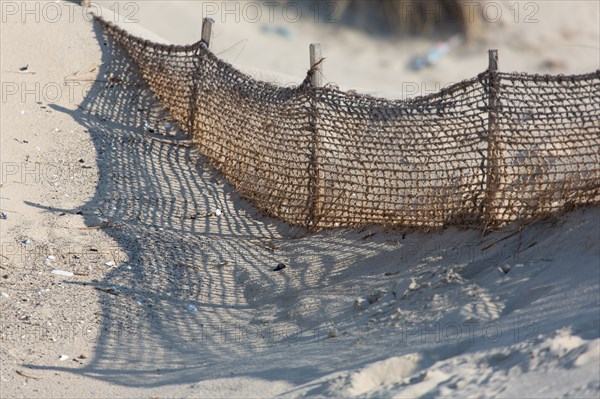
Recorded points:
166,300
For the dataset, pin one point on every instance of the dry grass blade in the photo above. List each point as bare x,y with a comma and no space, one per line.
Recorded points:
21,373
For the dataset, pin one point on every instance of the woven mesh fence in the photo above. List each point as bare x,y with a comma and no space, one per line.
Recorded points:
487,151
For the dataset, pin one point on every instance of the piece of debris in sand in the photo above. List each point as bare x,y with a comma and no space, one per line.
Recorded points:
3,216
218,212
434,54
110,263
111,290
505,268
62,273
360,304
367,236
63,358
24,68
107,224
279,267
148,126
192,308
372,298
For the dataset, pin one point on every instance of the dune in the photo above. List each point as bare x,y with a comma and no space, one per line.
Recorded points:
173,292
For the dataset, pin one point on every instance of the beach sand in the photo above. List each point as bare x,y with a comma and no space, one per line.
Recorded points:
169,300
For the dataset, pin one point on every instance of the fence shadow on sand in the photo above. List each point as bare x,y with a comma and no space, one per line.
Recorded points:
201,291
200,294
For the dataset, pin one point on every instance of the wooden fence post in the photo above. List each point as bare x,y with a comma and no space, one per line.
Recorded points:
493,60
207,25
316,188
316,65
493,150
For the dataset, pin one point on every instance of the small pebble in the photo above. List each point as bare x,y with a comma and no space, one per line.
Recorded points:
218,212
413,285
360,304
110,263
192,308
3,215
63,357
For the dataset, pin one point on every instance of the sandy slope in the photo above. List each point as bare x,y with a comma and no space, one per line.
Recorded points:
191,308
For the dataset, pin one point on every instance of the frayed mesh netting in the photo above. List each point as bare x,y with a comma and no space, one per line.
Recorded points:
484,152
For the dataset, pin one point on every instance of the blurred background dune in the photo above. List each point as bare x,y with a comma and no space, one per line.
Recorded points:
380,46
410,17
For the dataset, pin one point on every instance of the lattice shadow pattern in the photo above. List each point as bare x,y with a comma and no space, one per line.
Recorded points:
484,152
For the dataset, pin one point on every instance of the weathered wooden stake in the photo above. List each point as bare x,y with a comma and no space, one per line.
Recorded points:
317,178
316,65
493,150
207,24
493,60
